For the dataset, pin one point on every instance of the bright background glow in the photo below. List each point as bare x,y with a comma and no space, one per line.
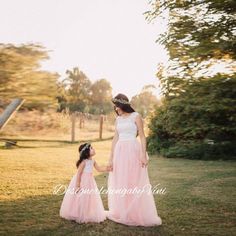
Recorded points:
105,38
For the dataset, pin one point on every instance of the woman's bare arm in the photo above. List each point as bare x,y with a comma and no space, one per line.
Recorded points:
139,123
114,141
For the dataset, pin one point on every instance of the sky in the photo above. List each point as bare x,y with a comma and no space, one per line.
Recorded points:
105,38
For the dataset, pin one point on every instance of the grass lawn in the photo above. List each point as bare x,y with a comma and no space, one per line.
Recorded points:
199,199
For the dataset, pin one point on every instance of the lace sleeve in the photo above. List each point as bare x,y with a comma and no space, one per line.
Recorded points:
135,114
116,121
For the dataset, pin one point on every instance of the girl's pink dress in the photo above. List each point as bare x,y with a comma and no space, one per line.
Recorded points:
133,208
85,206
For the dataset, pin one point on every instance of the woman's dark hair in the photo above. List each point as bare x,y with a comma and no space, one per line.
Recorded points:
124,107
85,154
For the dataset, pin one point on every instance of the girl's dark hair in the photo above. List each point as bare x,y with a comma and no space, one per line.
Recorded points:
124,107
85,154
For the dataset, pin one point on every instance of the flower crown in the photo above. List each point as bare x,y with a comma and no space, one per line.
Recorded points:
122,101
84,148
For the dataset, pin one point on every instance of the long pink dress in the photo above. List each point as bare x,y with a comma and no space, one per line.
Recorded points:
133,208
85,206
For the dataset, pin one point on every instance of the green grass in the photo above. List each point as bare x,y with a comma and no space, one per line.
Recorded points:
199,199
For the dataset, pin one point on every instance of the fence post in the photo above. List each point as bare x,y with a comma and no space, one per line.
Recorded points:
73,117
101,126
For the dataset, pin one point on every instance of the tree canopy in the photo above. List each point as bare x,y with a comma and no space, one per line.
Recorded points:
20,76
78,93
197,116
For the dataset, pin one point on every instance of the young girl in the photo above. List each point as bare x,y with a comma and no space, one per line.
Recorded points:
82,201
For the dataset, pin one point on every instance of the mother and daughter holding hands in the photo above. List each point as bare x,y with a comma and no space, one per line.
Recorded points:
127,169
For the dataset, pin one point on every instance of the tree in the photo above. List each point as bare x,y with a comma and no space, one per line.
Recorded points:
77,93
20,76
196,117
145,101
77,87
101,95
200,33
199,123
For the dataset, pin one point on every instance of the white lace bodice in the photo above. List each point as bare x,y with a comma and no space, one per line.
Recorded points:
89,166
126,126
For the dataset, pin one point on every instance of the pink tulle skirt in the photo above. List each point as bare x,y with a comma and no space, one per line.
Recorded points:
135,207
85,206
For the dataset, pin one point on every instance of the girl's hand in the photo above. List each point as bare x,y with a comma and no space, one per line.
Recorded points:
108,168
110,165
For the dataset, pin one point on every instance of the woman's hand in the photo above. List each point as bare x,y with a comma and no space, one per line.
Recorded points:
77,189
144,161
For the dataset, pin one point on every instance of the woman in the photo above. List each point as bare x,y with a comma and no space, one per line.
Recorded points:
128,162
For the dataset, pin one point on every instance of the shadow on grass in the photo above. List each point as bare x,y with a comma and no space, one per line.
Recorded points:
39,215
200,200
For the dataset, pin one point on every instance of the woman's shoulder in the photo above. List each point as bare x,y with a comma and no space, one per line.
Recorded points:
132,116
135,114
